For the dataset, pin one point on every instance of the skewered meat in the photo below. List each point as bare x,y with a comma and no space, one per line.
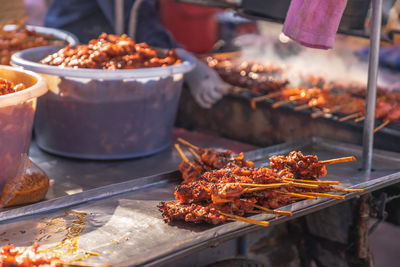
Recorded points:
353,105
306,167
221,159
306,95
208,213
215,159
190,213
236,190
233,183
239,161
252,75
223,183
192,170
201,190
394,114
383,108
354,88
208,160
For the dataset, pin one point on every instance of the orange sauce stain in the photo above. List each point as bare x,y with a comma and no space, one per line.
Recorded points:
69,245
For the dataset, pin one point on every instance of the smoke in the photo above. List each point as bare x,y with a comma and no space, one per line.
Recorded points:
338,64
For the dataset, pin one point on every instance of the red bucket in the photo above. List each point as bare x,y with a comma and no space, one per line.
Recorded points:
194,27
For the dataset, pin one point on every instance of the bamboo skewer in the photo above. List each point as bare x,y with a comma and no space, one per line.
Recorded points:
302,107
324,195
266,97
242,219
303,185
178,148
226,55
313,181
195,154
277,212
338,160
219,200
82,264
324,111
386,122
275,185
348,190
260,212
360,119
348,117
318,114
295,97
334,109
186,143
296,195
290,99
281,103
237,89
254,189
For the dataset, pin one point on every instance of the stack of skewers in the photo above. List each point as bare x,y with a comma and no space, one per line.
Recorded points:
326,98
332,99
218,186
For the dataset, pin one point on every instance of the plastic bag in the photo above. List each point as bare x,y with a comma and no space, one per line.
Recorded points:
30,185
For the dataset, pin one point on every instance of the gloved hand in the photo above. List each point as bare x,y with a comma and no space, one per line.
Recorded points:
205,85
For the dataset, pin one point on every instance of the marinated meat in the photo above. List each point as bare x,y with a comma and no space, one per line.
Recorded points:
112,52
8,87
21,38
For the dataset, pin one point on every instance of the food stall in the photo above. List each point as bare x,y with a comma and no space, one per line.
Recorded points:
103,137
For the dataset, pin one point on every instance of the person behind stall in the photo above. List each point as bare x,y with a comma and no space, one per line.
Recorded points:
87,19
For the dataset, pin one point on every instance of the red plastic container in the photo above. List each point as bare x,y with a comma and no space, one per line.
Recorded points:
194,27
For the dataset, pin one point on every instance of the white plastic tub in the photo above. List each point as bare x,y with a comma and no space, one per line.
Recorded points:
16,118
105,114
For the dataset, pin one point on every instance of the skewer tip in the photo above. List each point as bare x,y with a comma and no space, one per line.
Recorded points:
178,148
194,153
386,122
338,160
186,143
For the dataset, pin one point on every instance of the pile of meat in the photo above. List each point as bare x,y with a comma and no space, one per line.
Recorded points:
21,38
112,52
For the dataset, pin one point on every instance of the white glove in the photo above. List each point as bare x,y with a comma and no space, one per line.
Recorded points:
205,85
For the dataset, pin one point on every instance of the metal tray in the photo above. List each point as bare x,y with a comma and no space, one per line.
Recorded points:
125,227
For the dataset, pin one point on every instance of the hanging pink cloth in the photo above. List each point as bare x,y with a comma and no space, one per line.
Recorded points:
314,23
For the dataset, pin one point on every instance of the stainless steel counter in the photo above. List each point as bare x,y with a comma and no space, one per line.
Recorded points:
123,224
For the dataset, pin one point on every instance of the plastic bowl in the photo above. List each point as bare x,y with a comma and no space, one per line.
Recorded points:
105,114
16,118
